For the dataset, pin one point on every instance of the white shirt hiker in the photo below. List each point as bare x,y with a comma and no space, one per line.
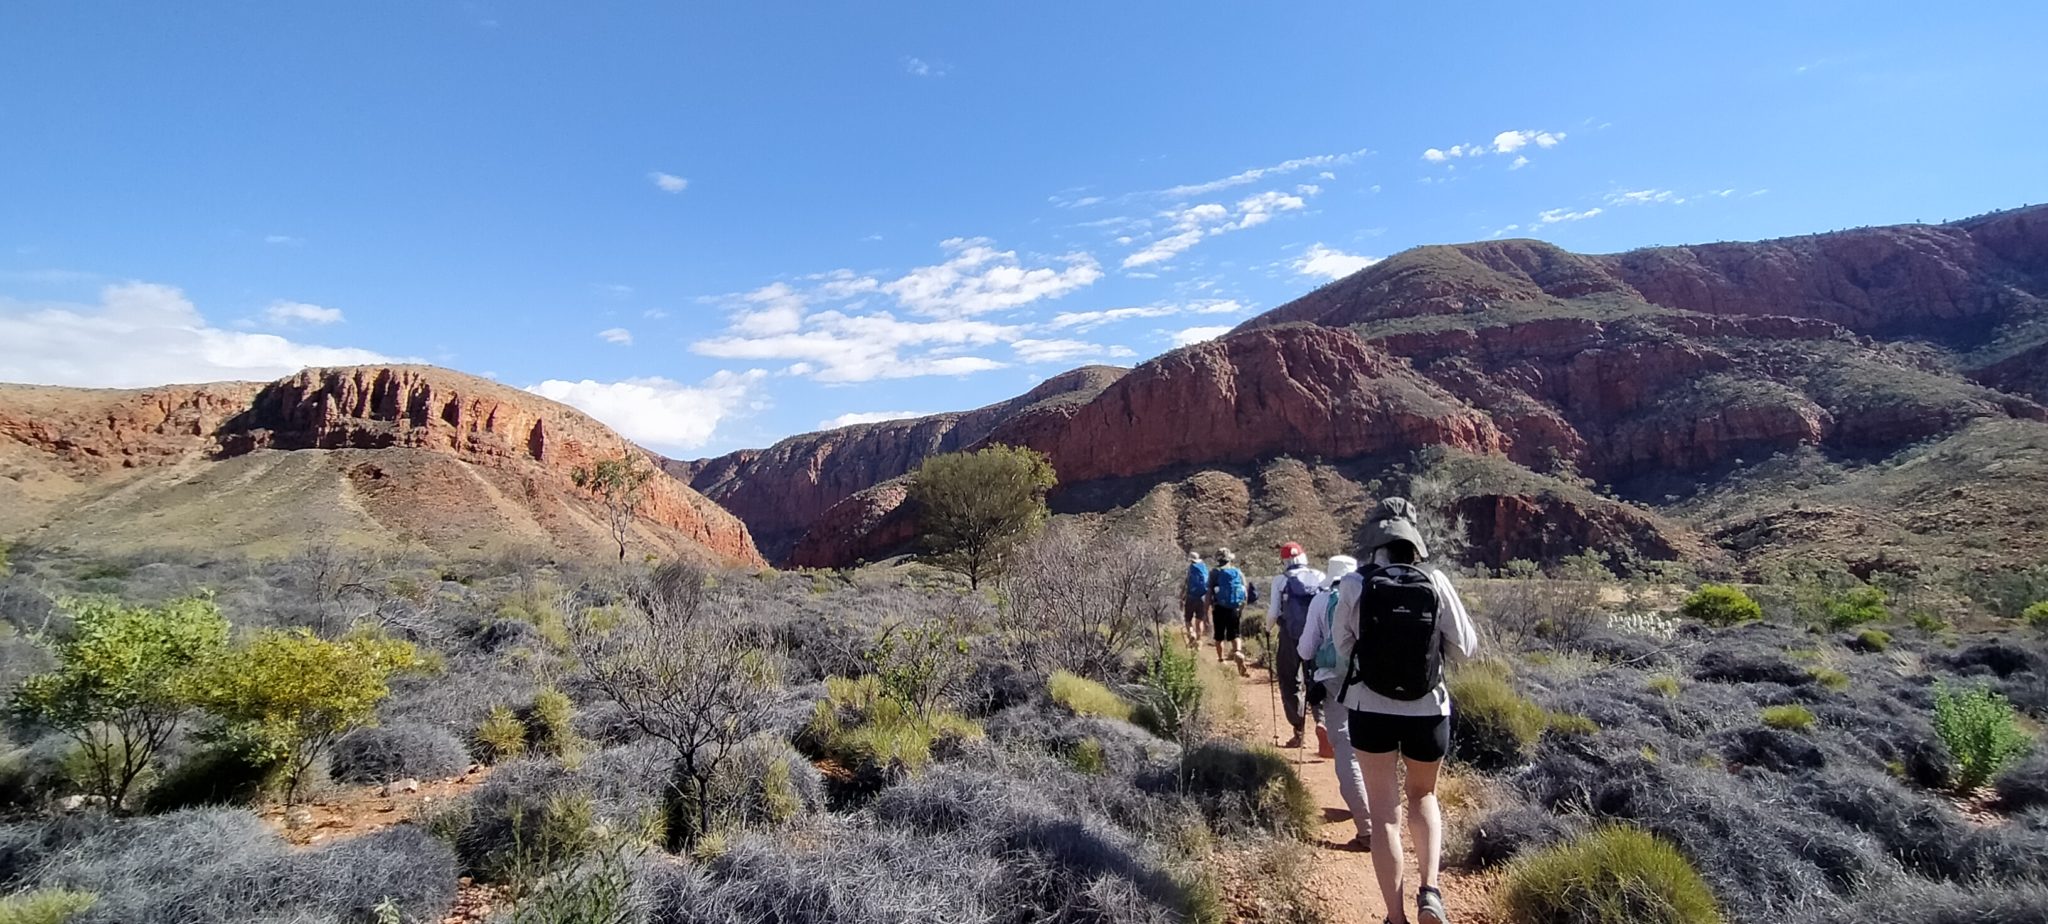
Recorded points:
1454,631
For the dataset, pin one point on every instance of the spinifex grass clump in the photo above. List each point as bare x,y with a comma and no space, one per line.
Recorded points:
1494,724
1086,697
860,726
1615,875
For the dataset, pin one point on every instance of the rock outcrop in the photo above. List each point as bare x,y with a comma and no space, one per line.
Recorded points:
412,444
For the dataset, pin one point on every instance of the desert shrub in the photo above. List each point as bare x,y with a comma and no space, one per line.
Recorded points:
1087,756
1172,703
1948,903
1926,835
218,774
1981,732
1569,723
1252,786
1511,832
1664,685
2024,785
1829,678
1872,640
1615,875
1740,663
45,906
1721,605
1086,599
289,695
1856,607
125,679
2036,615
1782,748
502,736
1517,613
1493,725
1086,697
535,816
766,782
876,736
598,891
216,866
554,724
1790,717
382,754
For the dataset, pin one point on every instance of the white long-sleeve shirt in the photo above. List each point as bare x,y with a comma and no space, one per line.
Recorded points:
1454,631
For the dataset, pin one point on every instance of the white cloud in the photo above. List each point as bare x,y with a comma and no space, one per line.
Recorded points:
1510,142
618,335
659,413
142,334
614,289
654,314
977,278
1644,197
1256,173
1190,225
1085,321
1519,163
1330,263
838,347
668,182
918,67
1326,175
769,310
1189,335
1065,351
283,240
283,314
868,417
1553,216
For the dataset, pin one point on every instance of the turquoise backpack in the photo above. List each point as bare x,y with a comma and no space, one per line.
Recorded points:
1326,653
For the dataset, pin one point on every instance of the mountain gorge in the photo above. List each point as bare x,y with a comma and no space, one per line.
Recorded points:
1552,400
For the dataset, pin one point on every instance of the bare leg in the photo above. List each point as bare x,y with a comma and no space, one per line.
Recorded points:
1383,802
1425,819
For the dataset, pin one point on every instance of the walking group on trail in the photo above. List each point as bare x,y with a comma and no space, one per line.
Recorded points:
1360,655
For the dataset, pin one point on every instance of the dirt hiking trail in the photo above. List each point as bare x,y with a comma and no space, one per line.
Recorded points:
1341,879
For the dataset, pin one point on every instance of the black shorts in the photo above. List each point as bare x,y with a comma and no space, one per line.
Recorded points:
1195,609
1424,738
1226,619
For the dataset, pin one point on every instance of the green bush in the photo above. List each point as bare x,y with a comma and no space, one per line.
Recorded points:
1873,640
1856,607
1086,697
1665,685
865,730
1173,693
1087,757
1494,725
1567,723
502,735
1981,731
2036,615
45,906
1721,605
1788,718
554,719
1611,876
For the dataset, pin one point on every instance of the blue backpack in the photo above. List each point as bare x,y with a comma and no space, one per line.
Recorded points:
1326,653
1295,596
1229,586
1198,580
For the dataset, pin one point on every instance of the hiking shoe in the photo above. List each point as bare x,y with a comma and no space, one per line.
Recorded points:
1323,748
1429,906
1295,741
1359,844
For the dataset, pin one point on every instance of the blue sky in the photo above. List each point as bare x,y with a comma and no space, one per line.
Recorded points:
716,225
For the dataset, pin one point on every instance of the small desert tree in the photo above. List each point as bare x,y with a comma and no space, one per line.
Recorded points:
671,656
124,680
973,507
1084,600
287,695
619,484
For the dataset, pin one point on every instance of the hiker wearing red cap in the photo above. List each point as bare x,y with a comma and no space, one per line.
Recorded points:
1287,609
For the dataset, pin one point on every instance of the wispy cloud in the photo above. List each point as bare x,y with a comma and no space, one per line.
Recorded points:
1032,352
919,67
284,314
618,335
283,240
1508,142
661,413
668,182
1329,263
1553,216
1255,174
1189,335
976,278
1189,226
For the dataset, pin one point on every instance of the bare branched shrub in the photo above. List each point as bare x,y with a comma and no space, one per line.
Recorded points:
671,655
1084,601
1521,614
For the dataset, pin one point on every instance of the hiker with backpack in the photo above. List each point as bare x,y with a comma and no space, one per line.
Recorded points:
1326,701
1228,594
1394,623
1195,600
1294,588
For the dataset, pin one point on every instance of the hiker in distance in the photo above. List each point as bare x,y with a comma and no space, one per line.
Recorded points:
1287,609
1394,624
1228,594
1326,701
1194,608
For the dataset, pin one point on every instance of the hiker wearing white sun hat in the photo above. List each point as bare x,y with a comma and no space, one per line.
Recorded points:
1333,719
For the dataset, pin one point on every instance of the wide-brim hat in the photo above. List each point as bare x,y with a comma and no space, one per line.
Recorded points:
1394,520
1225,555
